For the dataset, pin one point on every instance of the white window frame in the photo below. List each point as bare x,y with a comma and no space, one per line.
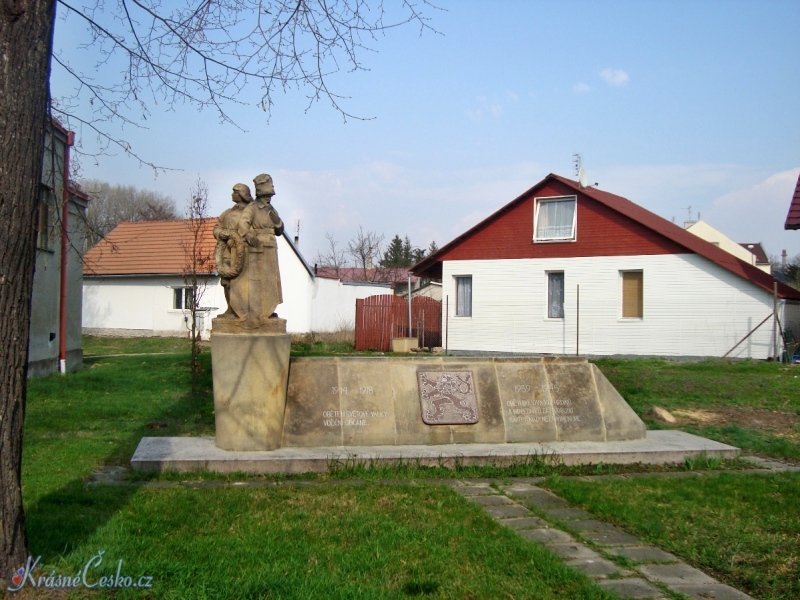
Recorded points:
548,275
538,202
185,298
462,311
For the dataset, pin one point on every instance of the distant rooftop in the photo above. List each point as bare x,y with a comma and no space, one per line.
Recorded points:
148,248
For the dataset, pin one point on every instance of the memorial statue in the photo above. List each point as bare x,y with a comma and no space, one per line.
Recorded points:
247,256
230,254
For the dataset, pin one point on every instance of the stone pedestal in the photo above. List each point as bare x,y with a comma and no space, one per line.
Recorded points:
404,345
250,372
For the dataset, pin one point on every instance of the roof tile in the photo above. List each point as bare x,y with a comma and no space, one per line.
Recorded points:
149,247
793,216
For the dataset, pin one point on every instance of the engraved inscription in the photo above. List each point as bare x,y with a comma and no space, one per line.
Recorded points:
350,418
447,397
541,411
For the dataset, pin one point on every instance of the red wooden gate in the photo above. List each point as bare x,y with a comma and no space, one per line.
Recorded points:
380,319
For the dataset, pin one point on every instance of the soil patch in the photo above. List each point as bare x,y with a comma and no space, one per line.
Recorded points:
773,421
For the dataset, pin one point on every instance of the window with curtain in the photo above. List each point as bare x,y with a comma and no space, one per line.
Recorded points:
555,295
632,294
464,296
183,298
554,219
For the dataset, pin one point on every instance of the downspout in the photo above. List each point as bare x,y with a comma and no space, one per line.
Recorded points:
62,317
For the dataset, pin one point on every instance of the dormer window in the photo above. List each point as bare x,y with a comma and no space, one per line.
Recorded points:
554,219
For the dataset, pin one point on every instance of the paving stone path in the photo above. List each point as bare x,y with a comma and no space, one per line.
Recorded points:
588,544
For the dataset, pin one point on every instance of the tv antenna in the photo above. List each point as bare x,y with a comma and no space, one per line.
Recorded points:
583,179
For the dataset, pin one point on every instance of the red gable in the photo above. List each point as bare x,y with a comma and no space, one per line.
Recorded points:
607,225
793,216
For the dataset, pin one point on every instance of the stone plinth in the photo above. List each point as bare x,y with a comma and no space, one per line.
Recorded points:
353,401
250,372
404,345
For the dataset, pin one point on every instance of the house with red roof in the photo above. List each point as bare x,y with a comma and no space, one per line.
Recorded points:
134,284
793,216
566,269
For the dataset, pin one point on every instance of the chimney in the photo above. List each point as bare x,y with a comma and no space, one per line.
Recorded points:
369,262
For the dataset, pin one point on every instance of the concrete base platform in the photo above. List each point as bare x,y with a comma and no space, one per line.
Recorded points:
187,454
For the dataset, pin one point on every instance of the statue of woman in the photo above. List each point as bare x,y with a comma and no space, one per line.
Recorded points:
230,254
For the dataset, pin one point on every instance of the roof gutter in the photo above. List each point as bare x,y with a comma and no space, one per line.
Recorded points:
62,317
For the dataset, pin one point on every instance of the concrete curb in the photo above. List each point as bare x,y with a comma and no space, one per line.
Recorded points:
187,454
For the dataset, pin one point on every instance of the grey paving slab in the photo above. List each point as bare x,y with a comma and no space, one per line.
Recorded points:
566,514
496,500
677,574
475,490
592,525
643,554
518,488
547,536
596,568
544,499
611,538
185,454
573,551
632,588
525,523
507,512
716,591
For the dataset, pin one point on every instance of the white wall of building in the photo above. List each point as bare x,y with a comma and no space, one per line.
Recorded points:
334,303
143,305
692,307
705,231
297,288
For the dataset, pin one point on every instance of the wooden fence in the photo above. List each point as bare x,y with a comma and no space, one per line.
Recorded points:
380,319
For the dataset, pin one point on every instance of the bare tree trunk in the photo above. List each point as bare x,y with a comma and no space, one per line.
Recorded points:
26,39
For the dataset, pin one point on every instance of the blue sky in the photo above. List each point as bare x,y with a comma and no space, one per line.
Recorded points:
672,104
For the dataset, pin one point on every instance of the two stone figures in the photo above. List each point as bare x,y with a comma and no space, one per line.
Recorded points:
249,344
246,256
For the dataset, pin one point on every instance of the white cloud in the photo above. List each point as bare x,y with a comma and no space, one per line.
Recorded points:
745,203
581,88
756,213
486,107
513,96
614,77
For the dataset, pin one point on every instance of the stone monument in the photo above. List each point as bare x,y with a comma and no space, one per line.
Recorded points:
249,344
359,401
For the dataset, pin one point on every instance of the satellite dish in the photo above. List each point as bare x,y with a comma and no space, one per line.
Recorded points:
582,177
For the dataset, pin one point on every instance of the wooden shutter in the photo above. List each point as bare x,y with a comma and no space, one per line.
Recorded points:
632,294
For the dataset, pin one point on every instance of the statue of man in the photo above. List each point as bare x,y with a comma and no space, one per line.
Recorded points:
230,254
258,226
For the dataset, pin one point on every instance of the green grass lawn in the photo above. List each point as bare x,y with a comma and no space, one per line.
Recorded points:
741,528
375,540
330,541
753,405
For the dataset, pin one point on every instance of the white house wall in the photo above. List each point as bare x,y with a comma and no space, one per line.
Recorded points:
296,286
334,303
692,307
142,305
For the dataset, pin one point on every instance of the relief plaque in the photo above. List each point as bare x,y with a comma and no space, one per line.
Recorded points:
447,397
